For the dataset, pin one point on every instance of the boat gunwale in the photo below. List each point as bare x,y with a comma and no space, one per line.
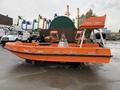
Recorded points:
89,55
46,46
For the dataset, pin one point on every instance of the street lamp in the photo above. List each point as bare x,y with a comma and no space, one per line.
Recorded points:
23,22
19,18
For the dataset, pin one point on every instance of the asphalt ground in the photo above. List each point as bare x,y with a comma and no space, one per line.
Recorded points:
16,74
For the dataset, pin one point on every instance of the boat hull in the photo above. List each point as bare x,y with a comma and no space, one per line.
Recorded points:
56,54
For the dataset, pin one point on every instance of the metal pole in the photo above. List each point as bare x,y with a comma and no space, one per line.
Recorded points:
22,25
33,25
43,23
26,25
38,22
67,13
46,25
23,22
18,21
81,43
49,22
78,18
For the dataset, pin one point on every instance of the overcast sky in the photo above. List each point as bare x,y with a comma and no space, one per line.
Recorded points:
30,9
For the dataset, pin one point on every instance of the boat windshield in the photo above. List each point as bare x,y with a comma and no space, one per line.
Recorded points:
12,33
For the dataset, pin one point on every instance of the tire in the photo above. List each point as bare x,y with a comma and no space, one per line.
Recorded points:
31,61
16,39
28,61
3,43
26,41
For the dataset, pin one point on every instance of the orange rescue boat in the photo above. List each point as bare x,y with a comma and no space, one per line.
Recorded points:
34,51
76,52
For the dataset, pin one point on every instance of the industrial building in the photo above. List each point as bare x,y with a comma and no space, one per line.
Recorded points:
5,20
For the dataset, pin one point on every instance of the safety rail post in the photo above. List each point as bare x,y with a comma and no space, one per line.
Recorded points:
82,39
101,37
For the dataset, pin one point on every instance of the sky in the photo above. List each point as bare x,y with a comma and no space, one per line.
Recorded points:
30,9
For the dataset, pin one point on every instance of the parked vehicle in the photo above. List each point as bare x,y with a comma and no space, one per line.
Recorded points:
13,35
2,32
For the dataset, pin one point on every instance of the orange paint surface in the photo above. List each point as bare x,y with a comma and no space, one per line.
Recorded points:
93,22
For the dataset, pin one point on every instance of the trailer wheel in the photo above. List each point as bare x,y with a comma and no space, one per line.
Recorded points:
16,39
28,61
3,43
31,61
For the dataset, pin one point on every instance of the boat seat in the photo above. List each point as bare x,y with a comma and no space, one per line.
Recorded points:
45,43
90,45
53,37
78,35
54,34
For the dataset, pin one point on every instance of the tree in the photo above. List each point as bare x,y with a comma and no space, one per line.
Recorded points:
81,19
82,16
89,13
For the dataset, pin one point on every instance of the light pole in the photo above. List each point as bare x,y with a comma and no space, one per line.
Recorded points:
44,19
39,17
33,24
27,23
46,25
23,22
78,17
49,22
19,18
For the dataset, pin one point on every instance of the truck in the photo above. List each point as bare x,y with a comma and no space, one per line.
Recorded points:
15,35
2,32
